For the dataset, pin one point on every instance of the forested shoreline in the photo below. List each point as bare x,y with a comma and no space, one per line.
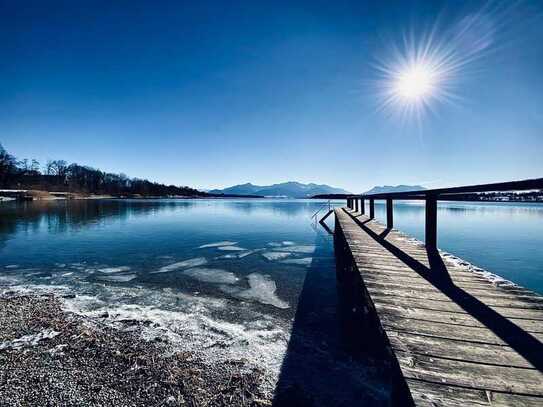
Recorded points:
60,176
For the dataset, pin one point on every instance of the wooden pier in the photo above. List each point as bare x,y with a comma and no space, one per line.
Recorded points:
454,337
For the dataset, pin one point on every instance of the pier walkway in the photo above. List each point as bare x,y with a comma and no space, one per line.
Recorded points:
455,337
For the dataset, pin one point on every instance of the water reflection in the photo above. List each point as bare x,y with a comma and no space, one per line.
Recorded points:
62,216
504,238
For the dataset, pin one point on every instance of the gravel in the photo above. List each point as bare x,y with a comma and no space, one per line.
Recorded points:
51,357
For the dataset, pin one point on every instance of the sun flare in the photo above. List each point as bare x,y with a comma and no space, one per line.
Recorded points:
422,70
416,82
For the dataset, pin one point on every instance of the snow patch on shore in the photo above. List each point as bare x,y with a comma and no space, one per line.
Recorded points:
28,340
188,322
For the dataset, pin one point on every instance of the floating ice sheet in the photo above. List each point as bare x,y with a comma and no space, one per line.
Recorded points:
117,278
275,255
212,275
306,261
217,244
197,261
231,248
240,255
297,249
111,270
261,288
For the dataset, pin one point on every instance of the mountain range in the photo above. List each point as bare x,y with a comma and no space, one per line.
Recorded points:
286,189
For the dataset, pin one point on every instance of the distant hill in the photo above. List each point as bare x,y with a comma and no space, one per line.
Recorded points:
285,189
398,188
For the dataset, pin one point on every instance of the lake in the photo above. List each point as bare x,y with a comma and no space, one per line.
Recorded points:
250,280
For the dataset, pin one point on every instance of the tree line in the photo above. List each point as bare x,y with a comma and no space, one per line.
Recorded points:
58,175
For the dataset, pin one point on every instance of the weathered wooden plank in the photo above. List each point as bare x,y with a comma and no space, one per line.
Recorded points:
414,279
437,394
450,318
451,306
459,341
405,272
468,374
487,292
458,350
434,295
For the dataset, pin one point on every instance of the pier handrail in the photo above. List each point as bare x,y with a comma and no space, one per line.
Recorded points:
324,205
432,196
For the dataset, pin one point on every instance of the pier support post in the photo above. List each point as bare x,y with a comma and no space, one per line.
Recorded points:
431,223
362,206
372,208
390,216
356,204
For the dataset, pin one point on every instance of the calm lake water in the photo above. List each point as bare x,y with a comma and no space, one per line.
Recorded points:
243,279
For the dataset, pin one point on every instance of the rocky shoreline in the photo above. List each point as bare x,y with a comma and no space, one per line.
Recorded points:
52,357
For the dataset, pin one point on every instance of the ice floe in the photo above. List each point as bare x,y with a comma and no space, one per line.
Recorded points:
306,261
261,288
275,255
297,249
239,255
283,243
231,248
111,270
211,275
28,340
197,261
217,244
117,278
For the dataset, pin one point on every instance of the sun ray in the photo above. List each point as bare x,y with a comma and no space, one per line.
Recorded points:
423,70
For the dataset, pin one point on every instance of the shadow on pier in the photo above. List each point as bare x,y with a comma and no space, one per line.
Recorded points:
326,363
436,273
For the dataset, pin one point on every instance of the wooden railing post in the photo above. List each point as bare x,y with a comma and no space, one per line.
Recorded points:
431,222
390,216
356,204
372,208
362,206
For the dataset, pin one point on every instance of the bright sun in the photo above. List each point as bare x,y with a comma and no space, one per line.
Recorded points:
415,83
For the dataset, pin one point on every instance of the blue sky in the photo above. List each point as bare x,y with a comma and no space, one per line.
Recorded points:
211,94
